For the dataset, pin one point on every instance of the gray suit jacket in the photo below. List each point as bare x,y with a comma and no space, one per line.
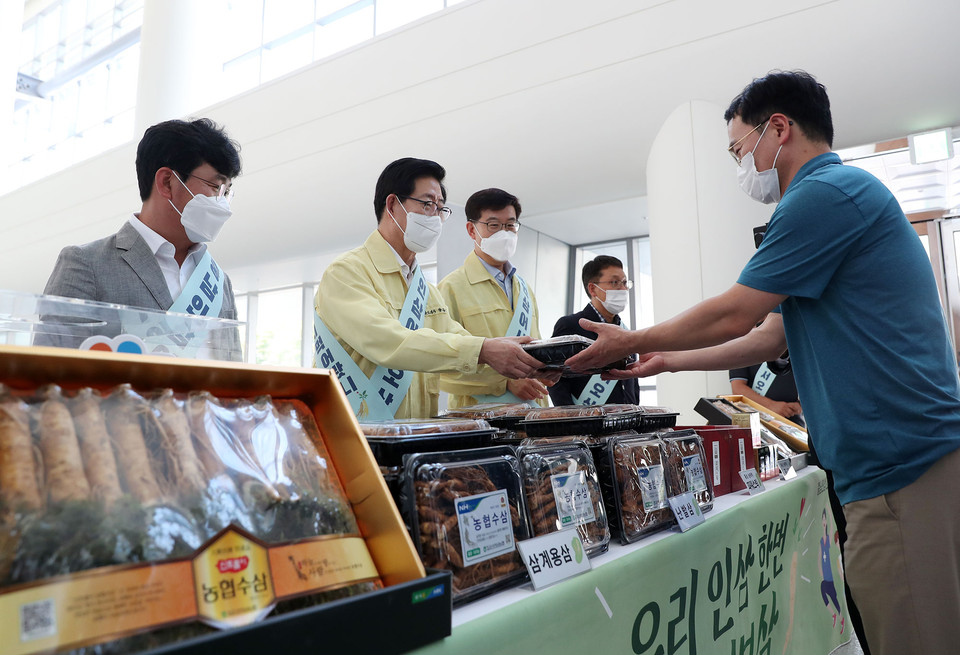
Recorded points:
122,269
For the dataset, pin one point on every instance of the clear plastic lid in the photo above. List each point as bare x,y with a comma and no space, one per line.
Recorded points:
489,411
563,492
434,426
639,482
466,512
579,411
648,409
686,463
29,319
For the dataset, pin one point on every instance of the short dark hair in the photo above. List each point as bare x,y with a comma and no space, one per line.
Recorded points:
494,199
400,178
797,94
594,268
183,146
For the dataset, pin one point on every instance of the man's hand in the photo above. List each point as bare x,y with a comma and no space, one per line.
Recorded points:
611,345
648,365
507,358
527,389
784,409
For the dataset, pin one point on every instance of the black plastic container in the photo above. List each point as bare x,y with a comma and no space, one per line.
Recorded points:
563,493
581,420
466,512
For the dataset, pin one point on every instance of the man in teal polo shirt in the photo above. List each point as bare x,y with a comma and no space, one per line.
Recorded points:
877,375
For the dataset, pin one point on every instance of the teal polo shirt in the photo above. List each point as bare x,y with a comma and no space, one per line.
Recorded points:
872,357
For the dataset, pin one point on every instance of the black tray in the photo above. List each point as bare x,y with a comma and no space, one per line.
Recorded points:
389,450
583,425
342,626
556,351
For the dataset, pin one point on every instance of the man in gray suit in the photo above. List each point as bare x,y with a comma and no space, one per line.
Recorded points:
159,258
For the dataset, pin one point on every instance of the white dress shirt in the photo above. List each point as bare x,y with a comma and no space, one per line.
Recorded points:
174,275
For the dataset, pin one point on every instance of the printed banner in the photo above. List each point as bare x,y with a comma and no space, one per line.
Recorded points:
760,577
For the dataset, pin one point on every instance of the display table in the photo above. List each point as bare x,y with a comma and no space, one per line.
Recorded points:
748,580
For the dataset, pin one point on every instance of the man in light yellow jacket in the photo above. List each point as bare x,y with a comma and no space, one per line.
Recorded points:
489,298
381,326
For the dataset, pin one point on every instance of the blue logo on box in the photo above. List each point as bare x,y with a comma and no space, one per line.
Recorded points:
426,594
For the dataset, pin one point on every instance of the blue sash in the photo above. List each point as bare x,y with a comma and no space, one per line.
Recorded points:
519,327
596,391
763,380
376,398
202,295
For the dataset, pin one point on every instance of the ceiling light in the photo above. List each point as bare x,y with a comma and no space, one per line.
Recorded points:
931,146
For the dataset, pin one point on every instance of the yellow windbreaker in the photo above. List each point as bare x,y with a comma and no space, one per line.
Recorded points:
359,300
479,304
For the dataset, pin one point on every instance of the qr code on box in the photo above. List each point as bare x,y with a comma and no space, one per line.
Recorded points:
38,620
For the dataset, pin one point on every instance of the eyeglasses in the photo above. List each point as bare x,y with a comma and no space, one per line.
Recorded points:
617,284
733,149
496,226
431,208
223,190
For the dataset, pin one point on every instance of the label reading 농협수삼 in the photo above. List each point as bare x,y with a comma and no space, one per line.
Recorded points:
652,487
693,469
486,527
574,505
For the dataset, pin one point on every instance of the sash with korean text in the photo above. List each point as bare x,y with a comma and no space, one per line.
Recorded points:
202,295
519,327
763,380
378,397
597,390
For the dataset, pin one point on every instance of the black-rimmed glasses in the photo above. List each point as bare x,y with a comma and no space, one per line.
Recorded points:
496,226
431,208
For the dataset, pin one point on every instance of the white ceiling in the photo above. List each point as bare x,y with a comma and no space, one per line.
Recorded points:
557,101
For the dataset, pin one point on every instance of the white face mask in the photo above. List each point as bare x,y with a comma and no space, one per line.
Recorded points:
203,216
500,245
422,231
616,300
763,186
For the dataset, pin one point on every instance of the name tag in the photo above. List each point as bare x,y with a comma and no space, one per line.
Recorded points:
686,510
553,557
752,480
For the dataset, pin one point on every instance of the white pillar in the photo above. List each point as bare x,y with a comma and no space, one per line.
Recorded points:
700,232
11,24
180,64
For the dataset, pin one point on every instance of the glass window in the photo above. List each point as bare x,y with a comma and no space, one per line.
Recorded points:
391,14
344,32
278,325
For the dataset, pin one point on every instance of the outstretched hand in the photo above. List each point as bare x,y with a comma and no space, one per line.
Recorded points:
611,345
648,365
507,358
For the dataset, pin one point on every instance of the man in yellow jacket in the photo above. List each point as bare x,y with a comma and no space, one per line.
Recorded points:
381,326
489,299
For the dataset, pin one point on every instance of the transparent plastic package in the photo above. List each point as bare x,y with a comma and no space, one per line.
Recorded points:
391,440
466,513
130,478
555,351
567,420
563,493
634,485
685,464
499,415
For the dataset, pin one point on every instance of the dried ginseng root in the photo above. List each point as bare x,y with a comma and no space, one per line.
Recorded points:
178,443
122,412
63,464
18,474
99,462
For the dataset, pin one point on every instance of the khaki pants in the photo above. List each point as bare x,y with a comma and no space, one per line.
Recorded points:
903,564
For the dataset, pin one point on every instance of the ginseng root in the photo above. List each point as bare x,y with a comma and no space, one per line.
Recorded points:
98,459
62,462
18,475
